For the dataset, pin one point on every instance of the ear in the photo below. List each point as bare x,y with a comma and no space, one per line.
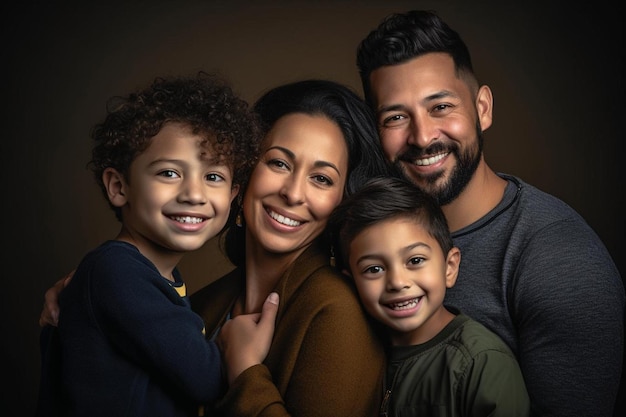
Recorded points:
484,107
453,260
116,187
234,191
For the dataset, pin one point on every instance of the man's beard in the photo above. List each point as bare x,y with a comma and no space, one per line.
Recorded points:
467,163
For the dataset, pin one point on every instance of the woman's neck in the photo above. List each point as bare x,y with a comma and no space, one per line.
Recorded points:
263,271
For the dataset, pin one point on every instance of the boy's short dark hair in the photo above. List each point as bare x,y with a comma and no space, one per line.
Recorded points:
381,199
204,103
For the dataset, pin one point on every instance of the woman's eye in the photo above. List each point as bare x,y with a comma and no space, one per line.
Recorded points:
323,179
278,163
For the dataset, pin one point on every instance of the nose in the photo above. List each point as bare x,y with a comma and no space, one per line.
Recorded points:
193,191
396,280
293,189
423,130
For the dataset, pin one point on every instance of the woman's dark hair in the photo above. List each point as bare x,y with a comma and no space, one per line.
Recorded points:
382,199
339,104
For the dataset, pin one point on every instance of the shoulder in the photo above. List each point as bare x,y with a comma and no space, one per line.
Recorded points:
541,221
115,255
328,282
328,293
476,339
542,206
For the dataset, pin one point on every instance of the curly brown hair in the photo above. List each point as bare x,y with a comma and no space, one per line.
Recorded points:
205,103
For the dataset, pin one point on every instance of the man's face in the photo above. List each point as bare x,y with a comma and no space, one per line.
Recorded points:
428,123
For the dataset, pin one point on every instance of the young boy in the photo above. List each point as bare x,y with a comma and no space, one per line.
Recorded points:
395,243
170,160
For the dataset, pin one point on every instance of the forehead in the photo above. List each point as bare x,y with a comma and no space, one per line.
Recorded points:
307,136
419,77
400,226
392,239
177,141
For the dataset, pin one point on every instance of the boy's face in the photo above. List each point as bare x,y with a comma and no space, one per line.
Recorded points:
176,199
401,275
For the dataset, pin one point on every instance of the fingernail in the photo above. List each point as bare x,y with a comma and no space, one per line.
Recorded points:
273,298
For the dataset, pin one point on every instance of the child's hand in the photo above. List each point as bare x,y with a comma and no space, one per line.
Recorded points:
50,312
245,340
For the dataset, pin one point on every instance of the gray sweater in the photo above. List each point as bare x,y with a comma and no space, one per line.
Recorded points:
537,275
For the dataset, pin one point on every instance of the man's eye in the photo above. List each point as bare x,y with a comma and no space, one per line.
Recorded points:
440,108
392,119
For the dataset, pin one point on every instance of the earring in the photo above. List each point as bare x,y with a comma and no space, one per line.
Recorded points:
239,218
332,255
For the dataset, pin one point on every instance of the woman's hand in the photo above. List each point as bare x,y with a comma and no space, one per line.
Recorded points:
245,340
50,313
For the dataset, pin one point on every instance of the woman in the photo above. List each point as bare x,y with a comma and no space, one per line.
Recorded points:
320,144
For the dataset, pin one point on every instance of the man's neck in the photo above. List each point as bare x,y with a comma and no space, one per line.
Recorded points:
484,191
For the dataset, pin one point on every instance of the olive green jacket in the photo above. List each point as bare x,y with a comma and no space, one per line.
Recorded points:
325,359
464,371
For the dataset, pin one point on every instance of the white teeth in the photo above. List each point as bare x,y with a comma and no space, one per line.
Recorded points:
284,220
187,219
431,160
405,305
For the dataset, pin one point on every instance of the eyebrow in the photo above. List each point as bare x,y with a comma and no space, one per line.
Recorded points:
404,249
292,155
432,97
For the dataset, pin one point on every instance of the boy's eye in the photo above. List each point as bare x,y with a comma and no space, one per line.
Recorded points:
168,173
213,177
374,269
416,260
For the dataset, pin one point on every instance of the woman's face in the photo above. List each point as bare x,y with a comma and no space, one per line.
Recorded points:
297,183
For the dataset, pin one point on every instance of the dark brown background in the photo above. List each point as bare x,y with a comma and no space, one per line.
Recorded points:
556,70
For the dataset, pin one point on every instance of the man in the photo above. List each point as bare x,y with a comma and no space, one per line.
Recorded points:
533,271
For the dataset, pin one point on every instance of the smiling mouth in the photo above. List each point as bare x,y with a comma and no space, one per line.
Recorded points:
283,220
187,219
405,305
430,160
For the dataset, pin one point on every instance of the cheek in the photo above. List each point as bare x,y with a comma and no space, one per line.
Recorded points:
368,290
460,127
322,207
149,196
392,142
221,200
258,185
